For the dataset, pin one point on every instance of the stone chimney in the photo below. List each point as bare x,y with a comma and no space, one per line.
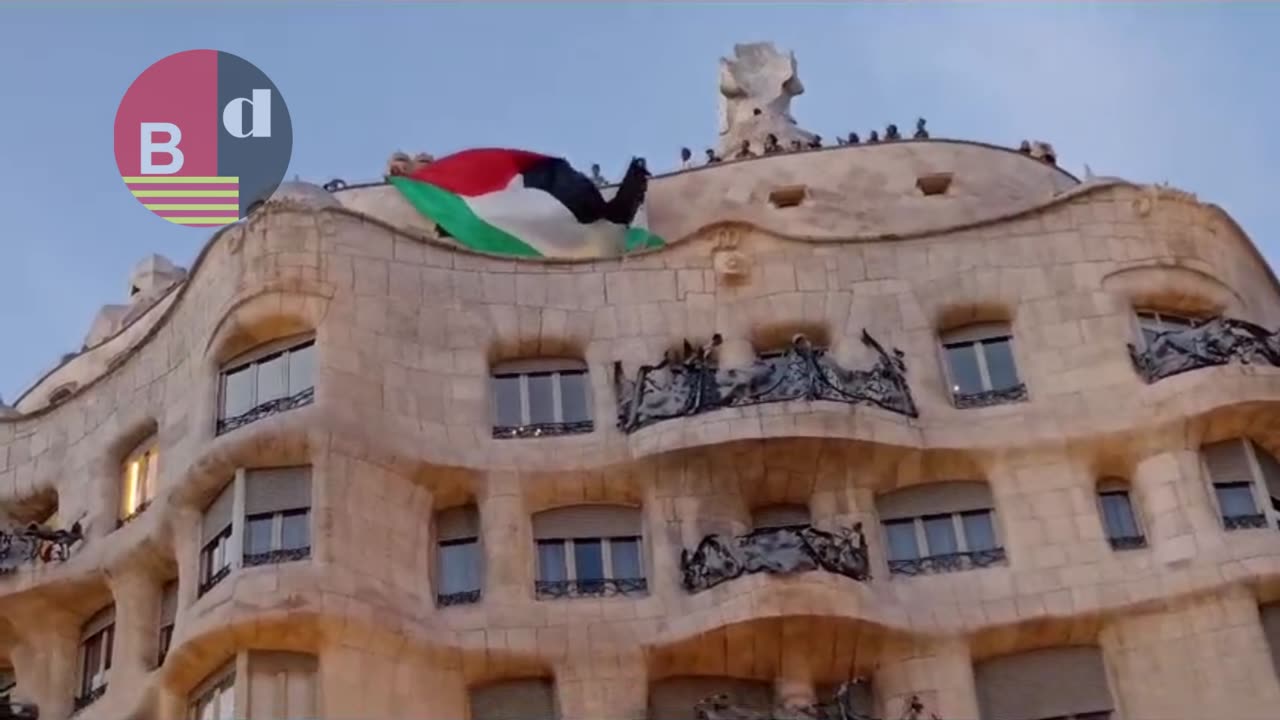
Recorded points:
150,280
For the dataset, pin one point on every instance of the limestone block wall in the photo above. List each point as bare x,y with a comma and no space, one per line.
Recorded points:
406,330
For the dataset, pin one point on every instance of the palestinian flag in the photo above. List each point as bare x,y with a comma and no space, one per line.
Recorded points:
513,202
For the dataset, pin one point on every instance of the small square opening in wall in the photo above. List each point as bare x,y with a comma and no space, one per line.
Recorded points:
788,195
934,183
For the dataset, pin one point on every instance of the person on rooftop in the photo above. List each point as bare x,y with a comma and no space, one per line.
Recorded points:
771,145
854,139
686,158
712,157
921,133
816,142
1025,147
744,151
891,133
874,137
796,146
596,177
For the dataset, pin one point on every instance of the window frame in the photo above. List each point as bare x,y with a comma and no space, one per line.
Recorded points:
276,553
557,368
92,683
466,515
209,577
140,487
1148,318
957,527
1262,500
975,335
255,358
568,546
1111,487
219,685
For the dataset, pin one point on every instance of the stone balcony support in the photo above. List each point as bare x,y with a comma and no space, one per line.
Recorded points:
137,603
504,523
1178,511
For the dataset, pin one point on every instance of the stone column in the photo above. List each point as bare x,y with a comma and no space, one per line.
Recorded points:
939,673
664,542
46,660
137,603
1172,494
793,687
506,532
600,687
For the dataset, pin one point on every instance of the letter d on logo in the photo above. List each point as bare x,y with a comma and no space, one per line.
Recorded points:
150,147
233,112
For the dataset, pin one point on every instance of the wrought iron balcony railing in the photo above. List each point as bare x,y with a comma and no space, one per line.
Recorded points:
1127,542
267,409
950,562
596,587
1244,522
37,544
987,398
272,557
844,705
1218,341
783,550
81,702
133,515
691,383
213,580
552,429
462,597
11,710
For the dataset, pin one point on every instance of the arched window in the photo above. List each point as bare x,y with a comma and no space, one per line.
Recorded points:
1153,322
1118,517
517,699
980,366
940,527
538,397
1064,683
269,379
589,550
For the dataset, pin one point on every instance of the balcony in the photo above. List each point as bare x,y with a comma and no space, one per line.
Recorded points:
988,398
272,557
595,587
949,562
463,597
267,409
37,544
1218,341
83,701
851,701
1244,522
779,551
691,383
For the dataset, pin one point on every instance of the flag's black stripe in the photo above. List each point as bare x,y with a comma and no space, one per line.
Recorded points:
581,196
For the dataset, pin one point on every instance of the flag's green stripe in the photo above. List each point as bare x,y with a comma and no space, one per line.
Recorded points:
641,239
452,213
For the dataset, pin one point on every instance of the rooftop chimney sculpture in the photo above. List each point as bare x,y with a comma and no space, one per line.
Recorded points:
756,88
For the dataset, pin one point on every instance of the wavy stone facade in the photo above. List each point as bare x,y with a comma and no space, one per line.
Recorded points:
972,559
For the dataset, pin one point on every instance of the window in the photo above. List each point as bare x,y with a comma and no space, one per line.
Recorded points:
277,526
980,367
8,681
459,567
780,516
96,641
62,393
139,481
1151,323
534,398
589,550
1271,628
276,378
215,548
1118,518
939,527
522,699
282,685
1064,683
215,699
1246,483
168,618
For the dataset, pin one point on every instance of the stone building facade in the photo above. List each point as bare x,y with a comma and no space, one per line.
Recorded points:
1001,450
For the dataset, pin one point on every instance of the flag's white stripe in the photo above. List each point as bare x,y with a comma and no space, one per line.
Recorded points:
539,219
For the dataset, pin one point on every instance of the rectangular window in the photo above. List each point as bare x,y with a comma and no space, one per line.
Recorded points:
1119,520
966,375
902,539
459,563
1235,499
459,566
980,363
541,402
940,534
1242,473
168,617
217,701
277,515
96,645
270,383
590,566
942,541
139,482
215,548
1153,323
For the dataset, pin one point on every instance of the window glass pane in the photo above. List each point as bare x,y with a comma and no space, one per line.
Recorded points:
149,478
1149,335
227,704
940,535
132,487
237,392
573,397
109,642
588,558
1117,515
295,530
459,567
301,369
902,539
979,531
506,401
626,558
551,565
92,658
1000,367
257,534
271,379
1235,499
542,407
962,363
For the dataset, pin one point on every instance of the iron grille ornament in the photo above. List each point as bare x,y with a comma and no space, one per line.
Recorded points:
551,429
37,544
81,702
267,409
949,562
690,383
596,587
783,550
988,398
464,597
272,557
1244,522
1217,341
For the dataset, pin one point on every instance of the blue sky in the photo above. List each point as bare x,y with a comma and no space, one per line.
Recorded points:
1176,92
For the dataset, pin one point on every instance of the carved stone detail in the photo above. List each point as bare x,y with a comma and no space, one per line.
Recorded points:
784,550
756,88
1218,341
691,383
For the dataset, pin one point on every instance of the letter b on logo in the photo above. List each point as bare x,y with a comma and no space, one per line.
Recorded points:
233,115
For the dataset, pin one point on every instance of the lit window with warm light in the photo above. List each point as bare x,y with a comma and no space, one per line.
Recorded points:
140,475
